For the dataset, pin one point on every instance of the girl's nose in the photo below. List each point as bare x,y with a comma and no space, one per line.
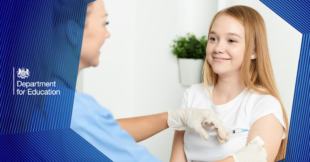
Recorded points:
220,47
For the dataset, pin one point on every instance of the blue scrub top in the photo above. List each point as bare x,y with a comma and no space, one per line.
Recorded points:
97,125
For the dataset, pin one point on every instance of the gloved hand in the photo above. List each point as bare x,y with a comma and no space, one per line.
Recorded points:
253,152
193,119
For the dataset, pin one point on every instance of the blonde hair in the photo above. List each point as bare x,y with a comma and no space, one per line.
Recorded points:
255,74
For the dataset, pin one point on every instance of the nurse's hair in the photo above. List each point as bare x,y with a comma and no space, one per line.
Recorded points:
255,74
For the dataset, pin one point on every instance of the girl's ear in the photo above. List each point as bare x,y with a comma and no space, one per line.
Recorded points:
253,55
74,32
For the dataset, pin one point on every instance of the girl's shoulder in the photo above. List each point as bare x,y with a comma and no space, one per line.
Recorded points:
198,89
262,98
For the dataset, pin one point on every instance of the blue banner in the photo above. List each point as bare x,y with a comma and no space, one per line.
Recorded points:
297,14
40,53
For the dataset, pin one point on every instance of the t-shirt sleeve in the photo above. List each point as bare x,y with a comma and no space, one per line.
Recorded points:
265,106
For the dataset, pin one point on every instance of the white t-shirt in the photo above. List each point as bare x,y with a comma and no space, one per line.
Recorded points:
241,112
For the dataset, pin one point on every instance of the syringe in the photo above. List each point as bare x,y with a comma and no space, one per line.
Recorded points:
237,130
233,131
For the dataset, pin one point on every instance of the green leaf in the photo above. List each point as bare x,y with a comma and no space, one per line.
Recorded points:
189,47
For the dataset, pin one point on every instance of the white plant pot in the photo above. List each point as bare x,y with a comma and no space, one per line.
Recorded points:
190,71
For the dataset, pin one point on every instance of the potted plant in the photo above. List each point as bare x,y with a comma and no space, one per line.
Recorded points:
191,54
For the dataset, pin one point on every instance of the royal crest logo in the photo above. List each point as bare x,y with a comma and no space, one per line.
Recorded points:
22,73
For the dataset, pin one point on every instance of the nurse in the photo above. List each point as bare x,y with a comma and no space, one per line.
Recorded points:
117,138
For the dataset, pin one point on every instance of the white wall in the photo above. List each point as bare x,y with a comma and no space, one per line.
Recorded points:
138,75
111,83
156,76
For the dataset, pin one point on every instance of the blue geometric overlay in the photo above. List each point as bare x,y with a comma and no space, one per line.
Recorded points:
297,14
40,45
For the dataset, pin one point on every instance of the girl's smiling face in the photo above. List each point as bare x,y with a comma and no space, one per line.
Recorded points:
226,45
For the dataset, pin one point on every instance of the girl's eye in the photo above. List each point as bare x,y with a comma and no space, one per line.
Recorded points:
232,41
212,39
107,23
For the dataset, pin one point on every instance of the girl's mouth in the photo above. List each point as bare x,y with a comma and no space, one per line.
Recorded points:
220,59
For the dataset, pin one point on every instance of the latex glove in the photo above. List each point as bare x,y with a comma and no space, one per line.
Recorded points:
193,119
219,138
253,152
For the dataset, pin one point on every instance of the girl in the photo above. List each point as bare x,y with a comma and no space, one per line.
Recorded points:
239,87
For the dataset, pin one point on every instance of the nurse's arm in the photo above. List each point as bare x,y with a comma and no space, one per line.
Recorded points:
178,153
270,130
143,127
